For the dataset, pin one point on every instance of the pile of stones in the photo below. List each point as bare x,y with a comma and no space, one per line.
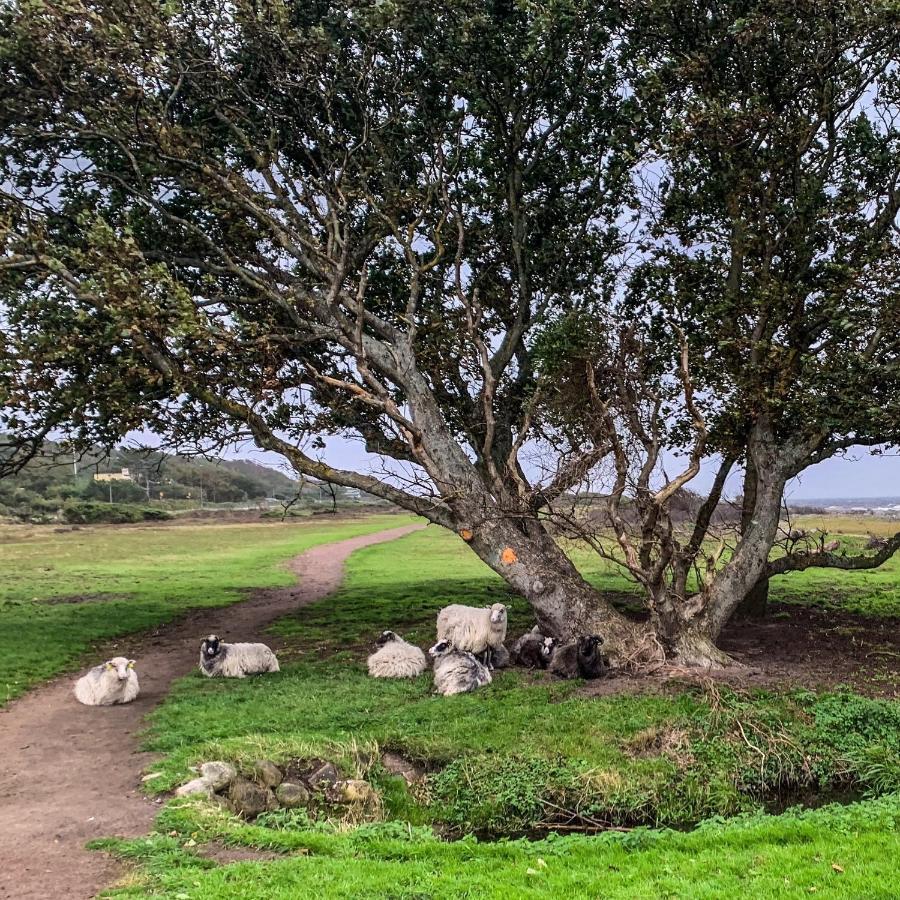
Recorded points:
264,786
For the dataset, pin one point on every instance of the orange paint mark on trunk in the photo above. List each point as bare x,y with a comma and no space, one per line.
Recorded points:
508,556
466,534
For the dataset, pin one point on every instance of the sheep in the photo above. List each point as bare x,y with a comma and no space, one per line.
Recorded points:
533,650
395,658
114,681
457,671
477,630
235,660
579,658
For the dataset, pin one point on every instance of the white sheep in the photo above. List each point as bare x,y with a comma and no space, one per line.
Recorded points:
478,630
395,658
456,671
235,660
114,681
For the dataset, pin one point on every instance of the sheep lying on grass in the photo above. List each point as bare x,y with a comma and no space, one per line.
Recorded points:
235,660
579,659
533,650
395,658
477,630
114,681
456,671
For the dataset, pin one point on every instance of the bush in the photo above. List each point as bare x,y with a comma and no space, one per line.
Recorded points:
86,513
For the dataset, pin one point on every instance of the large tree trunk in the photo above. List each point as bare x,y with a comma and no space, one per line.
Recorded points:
756,602
565,605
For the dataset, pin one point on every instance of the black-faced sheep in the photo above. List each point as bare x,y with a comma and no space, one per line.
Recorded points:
235,660
478,630
395,658
114,681
533,650
456,671
579,659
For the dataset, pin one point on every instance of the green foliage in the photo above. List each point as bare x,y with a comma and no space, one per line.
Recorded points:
86,513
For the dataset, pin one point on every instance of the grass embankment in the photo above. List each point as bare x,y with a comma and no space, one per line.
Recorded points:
63,591
525,755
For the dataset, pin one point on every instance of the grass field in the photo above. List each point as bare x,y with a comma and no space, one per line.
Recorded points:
62,591
507,767
519,758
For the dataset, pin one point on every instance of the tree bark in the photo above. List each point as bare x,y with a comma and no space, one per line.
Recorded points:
755,604
565,605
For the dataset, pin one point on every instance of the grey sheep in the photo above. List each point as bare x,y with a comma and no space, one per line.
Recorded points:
478,630
114,681
457,671
235,660
533,650
395,658
580,658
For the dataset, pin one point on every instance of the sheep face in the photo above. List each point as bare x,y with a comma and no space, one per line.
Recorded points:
498,614
547,647
209,649
439,649
120,665
385,638
590,642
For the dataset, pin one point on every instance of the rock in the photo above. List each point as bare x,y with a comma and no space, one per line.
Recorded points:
194,786
217,774
291,795
357,791
267,773
409,771
248,799
323,776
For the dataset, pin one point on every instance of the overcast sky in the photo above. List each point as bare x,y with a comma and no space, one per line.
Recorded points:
858,474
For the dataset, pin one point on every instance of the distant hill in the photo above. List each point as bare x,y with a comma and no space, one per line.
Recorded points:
130,476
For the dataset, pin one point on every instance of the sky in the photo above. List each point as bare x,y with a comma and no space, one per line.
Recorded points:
857,474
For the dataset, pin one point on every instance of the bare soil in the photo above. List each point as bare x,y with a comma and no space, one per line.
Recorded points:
794,647
71,773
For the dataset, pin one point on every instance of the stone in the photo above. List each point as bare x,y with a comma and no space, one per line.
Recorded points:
267,773
291,795
248,799
359,792
218,775
396,764
323,776
194,786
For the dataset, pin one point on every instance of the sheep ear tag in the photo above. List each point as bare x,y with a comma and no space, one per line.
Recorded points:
109,666
130,663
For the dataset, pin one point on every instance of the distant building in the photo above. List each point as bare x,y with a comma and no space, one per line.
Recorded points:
123,475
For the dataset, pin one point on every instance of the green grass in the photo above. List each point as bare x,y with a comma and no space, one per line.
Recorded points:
834,852
503,762
511,757
135,578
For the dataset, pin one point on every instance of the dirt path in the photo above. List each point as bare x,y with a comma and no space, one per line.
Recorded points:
71,773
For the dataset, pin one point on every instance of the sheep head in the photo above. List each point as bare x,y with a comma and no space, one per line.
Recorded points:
439,649
121,665
210,646
498,614
547,647
385,638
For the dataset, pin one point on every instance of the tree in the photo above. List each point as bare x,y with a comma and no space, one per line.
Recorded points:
417,225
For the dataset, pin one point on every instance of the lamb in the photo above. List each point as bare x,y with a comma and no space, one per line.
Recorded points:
533,650
114,681
473,629
395,658
457,671
580,659
235,660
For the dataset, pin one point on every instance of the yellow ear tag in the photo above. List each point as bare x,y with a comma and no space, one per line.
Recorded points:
109,667
131,664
